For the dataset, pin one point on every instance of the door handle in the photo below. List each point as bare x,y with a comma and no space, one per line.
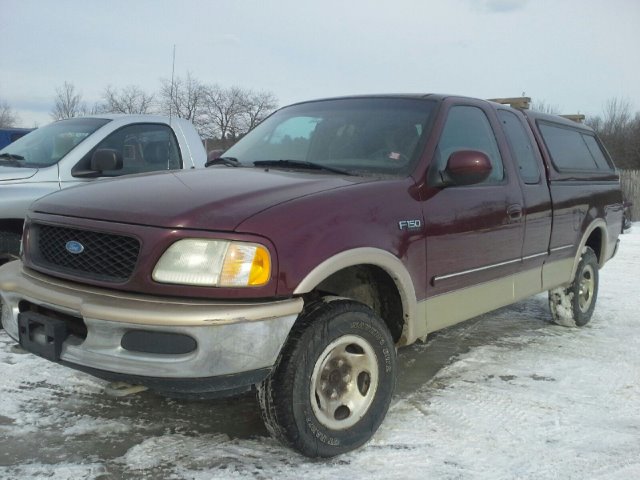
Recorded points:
514,212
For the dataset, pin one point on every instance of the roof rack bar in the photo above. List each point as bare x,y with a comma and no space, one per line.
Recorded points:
575,117
514,102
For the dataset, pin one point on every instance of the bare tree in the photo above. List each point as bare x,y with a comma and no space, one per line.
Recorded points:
231,112
617,116
184,98
221,113
8,118
130,99
619,130
545,107
96,109
258,106
224,108
68,102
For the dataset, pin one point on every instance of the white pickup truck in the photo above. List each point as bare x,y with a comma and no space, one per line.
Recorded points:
77,150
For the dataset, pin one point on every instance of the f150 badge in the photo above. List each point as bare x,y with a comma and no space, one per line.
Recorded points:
410,224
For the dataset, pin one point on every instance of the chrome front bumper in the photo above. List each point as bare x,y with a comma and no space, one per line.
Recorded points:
231,338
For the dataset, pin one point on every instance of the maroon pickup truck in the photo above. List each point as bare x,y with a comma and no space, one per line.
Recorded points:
334,232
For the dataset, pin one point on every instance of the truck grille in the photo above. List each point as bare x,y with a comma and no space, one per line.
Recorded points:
102,256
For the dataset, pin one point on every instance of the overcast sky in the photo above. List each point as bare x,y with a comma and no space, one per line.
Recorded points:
573,54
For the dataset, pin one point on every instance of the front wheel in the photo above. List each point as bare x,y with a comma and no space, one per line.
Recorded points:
573,306
333,382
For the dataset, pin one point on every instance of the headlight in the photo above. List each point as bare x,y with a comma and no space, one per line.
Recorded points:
214,263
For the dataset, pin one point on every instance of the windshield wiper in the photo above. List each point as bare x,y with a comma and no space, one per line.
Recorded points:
12,159
228,161
12,156
300,164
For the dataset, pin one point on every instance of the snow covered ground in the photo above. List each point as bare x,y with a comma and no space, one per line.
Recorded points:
504,396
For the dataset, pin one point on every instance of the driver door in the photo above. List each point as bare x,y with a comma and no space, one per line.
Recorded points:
474,232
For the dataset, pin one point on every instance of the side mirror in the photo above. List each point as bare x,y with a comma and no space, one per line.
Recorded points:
467,167
106,159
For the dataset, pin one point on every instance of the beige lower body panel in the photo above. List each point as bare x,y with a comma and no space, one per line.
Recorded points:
557,273
451,308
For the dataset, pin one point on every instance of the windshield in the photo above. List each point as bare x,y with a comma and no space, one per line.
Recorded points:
47,145
361,136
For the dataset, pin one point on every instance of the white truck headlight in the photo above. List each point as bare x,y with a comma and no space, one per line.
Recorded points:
214,263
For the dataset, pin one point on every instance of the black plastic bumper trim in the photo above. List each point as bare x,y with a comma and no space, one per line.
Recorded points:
163,343
206,387
42,335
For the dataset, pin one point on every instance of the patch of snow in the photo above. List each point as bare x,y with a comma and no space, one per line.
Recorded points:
561,308
85,425
59,471
528,400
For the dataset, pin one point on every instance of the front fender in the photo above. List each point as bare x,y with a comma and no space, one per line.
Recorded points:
17,197
379,258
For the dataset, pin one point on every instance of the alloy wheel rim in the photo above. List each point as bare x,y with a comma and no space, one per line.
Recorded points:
344,382
586,288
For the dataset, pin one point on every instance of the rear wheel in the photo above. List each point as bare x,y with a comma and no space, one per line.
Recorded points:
573,306
333,382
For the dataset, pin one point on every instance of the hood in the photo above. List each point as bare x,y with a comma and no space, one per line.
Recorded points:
212,199
16,173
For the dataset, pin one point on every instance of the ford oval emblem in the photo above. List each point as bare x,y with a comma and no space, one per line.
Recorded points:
74,247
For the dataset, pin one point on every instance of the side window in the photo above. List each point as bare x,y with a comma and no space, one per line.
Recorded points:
144,148
468,128
521,147
571,149
596,152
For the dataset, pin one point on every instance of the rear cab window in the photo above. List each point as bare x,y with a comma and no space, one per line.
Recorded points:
573,149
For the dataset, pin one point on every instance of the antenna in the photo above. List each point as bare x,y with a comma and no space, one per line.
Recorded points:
173,70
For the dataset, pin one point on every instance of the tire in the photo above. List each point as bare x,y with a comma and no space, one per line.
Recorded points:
339,352
573,306
9,246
